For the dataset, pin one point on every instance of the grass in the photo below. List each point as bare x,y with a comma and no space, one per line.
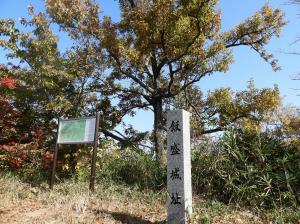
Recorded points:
71,202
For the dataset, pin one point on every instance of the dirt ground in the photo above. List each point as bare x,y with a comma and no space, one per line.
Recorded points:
39,212
71,203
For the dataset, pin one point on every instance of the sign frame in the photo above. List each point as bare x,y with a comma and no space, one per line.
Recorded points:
74,119
94,154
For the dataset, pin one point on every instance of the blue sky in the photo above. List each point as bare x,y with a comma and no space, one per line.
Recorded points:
248,65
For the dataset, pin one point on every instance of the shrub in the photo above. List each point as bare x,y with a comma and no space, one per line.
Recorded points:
247,169
131,168
27,160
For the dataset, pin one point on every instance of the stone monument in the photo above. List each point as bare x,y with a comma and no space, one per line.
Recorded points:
179,167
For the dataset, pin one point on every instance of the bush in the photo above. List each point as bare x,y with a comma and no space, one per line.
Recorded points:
131,168
26,160
248,169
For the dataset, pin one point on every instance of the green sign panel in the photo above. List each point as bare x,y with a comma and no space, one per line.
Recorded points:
76,131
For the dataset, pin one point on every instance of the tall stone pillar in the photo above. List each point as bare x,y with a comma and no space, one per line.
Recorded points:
179,167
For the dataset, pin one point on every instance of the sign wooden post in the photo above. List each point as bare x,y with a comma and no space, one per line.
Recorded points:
77,131
54,160
179,167
94,156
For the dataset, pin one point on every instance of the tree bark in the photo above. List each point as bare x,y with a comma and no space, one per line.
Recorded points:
159,132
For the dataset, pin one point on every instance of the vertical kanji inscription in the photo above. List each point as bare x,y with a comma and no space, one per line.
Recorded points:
179,167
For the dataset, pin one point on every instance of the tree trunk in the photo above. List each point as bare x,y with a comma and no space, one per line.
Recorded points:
159,133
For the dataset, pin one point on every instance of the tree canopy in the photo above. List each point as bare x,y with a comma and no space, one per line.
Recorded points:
158,50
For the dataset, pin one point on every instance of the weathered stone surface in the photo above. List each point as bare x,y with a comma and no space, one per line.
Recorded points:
179,167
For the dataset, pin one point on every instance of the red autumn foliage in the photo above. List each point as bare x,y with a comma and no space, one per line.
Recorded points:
47,164
19,150
9,116
8,148
25,156
28,155
48,156
14,163
8,82
22,155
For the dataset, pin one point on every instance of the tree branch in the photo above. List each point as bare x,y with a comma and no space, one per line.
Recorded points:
135,79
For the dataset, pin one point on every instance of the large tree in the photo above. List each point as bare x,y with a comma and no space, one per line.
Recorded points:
159,48
37,66
52,83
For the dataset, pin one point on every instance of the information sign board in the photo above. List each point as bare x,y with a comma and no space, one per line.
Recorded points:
77,131
74,131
